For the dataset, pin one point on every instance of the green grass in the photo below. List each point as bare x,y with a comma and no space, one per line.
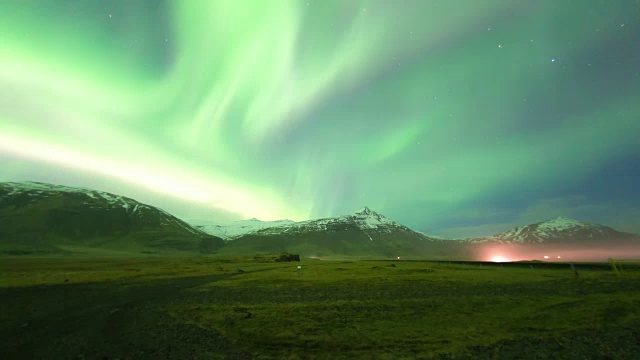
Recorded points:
412,310
26,271
374,309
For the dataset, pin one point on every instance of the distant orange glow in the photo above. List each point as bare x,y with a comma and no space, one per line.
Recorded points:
570,252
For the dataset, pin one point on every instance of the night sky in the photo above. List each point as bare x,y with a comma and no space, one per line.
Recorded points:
456,118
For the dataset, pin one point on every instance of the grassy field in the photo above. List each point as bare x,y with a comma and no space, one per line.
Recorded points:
243,308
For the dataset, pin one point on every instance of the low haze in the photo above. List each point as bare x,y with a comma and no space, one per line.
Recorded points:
456,118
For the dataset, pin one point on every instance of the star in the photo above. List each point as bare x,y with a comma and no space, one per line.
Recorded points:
278,87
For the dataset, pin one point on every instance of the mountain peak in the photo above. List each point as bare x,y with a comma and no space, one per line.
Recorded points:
564,218
561,222
558,229
366,211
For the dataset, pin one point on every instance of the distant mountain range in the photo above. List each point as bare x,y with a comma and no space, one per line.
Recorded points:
230,231
558,230
558,239
44,218
346,235
363,234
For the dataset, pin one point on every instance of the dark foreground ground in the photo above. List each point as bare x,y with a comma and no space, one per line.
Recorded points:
111,320
369,310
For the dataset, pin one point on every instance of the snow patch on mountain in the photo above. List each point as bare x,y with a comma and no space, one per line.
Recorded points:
37,190
98,199
232,230
40,190
366,221
561,223
555,230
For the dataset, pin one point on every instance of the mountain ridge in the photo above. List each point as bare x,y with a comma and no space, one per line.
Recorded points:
44,217
231,230
363,233
41,218
559,229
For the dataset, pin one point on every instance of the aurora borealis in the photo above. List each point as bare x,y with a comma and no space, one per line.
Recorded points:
457,118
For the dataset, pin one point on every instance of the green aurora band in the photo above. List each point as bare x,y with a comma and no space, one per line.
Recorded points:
299,109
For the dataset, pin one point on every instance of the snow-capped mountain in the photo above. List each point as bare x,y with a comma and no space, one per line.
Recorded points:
558,230
232,230
367,221
27,193
364,233
39,215
559,238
